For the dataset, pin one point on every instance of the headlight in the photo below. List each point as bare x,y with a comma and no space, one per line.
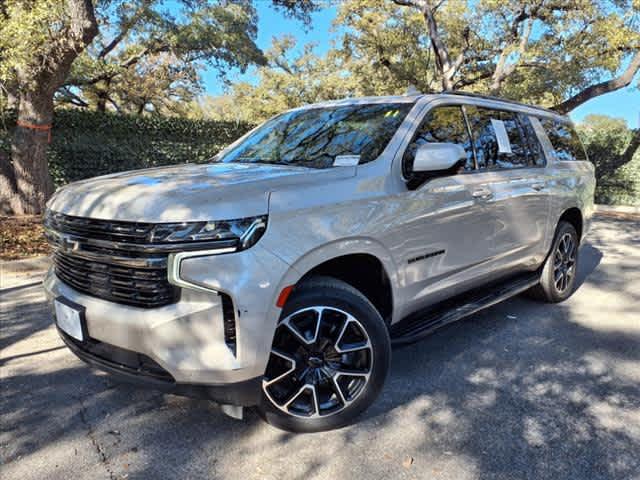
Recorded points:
244,231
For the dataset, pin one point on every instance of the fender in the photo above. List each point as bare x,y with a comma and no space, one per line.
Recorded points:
339,248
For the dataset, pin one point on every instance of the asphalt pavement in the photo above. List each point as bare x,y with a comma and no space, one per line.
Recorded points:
521,390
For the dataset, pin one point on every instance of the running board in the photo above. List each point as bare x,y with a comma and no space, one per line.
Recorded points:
419,325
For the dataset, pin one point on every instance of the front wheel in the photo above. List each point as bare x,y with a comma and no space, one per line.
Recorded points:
329,359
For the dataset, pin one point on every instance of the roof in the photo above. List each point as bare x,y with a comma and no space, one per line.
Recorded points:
495,102
366,100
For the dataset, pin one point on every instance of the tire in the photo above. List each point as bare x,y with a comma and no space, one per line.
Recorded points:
330,357
558,276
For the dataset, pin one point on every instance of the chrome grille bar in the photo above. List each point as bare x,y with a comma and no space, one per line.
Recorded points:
110,260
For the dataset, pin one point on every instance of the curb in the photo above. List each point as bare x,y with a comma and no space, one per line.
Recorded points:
617,209
24,272
25,265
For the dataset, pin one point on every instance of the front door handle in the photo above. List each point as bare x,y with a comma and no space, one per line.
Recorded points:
482,193
538,186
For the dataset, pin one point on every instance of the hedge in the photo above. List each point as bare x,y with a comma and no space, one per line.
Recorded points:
85,144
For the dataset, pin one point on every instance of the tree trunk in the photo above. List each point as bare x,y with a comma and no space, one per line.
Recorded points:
103,95
26,184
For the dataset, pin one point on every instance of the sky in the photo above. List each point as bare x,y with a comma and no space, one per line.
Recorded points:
623,103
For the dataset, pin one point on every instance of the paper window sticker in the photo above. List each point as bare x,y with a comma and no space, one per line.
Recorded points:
504,145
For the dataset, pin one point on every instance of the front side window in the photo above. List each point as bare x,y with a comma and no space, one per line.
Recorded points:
564,139
315,137
498,138
440,125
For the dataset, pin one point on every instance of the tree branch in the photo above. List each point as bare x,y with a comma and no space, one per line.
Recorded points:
465,82
601,88
72,98
411,3
126,26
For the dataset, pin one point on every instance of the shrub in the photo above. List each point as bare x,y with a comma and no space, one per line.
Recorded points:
605,139
85,143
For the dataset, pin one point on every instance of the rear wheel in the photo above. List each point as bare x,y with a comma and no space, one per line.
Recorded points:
329,359
558,277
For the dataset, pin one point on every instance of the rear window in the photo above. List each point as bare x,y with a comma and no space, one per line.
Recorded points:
564,139
536,153
498,137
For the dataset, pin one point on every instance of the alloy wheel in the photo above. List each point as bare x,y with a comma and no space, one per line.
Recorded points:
320,362
564,262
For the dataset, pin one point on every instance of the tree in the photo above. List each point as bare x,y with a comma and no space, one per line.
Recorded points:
609,142
139,42
51,34
131,37
288,80
545,51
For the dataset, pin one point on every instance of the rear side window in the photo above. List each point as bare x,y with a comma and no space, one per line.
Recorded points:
498,138
441,125
564,139
536,153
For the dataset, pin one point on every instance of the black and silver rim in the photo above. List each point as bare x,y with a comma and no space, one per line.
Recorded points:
564,262
320,362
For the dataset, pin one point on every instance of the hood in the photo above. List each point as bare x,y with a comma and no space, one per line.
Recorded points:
185,192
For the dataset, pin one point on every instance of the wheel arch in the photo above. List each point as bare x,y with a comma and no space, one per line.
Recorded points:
573,215
365,264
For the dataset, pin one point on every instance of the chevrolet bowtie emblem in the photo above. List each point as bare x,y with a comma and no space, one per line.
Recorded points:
69,244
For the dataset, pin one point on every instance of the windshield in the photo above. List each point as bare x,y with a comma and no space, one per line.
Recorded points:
315,137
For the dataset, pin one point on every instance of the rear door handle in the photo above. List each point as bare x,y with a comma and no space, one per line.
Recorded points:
482,193
538,186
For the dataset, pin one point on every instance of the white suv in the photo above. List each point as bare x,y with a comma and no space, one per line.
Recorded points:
280,274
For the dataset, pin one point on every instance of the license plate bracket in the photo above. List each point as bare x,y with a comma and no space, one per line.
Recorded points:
70,318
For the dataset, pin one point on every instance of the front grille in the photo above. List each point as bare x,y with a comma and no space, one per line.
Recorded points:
138,287
109,260
106,230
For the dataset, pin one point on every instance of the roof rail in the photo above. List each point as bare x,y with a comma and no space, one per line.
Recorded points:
497,99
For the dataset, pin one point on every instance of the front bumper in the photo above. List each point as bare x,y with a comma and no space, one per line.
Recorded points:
186,339
126,366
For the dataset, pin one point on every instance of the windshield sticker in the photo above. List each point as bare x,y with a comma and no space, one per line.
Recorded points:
504,146
346,160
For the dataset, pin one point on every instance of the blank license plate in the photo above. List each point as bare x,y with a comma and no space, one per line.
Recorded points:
68,320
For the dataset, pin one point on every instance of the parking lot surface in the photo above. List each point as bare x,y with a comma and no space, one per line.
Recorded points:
521,390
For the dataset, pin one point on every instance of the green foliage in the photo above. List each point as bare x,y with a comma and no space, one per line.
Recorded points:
86,144
529,50
25,34
605,139
145,59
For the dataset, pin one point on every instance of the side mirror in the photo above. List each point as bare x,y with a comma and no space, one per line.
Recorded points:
437,156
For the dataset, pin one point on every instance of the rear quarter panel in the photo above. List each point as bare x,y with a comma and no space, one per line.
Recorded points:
572,184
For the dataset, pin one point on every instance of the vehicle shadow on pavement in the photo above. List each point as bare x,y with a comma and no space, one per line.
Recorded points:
521,390
22,318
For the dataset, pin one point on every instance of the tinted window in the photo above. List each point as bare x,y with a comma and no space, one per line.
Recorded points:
565,141
440,125
536,154
498,138
315,137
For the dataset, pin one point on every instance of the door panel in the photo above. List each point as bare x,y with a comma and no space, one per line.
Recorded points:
444,245
521,203
519,200
444,229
